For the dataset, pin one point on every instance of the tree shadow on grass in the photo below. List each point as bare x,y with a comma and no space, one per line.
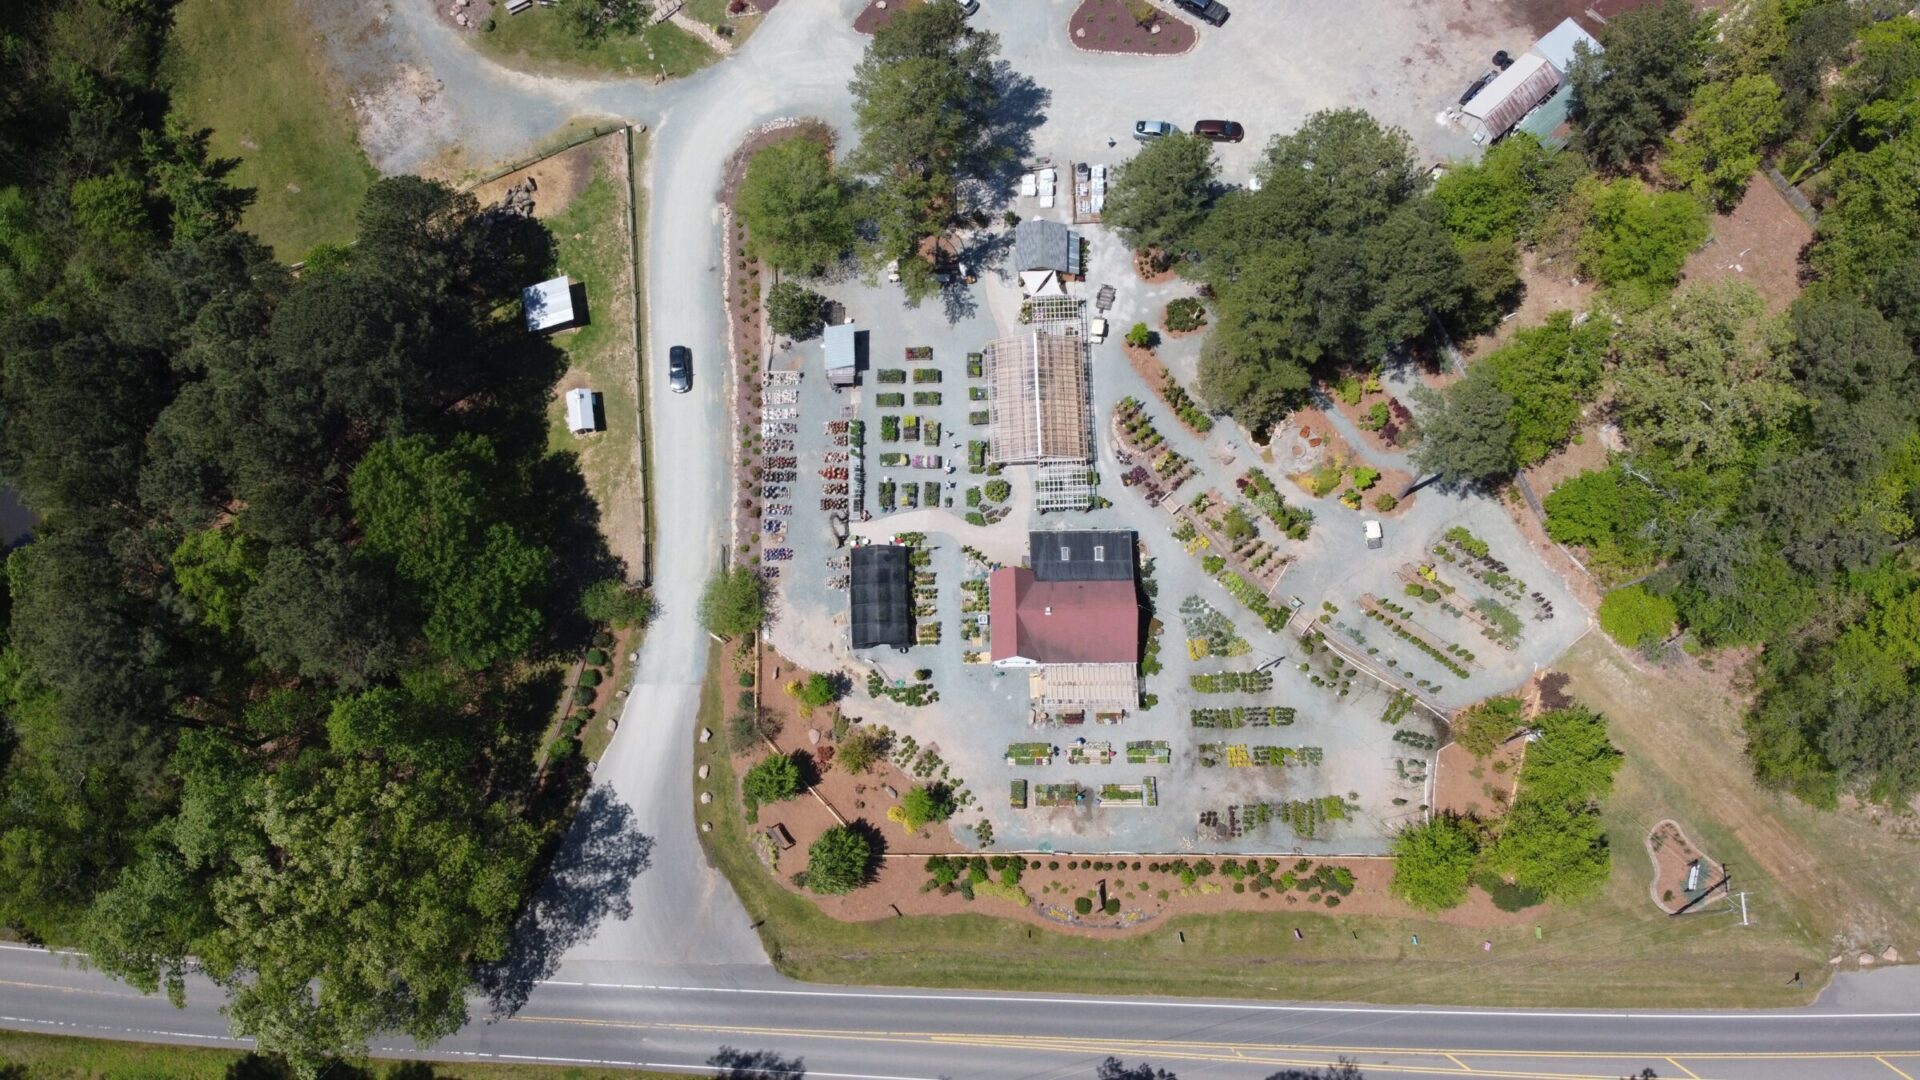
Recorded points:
590,878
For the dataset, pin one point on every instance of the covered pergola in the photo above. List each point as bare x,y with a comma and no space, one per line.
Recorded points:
1037,399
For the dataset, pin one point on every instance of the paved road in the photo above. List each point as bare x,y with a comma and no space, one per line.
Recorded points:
1866,1027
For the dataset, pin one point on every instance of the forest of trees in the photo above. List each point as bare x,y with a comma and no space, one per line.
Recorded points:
1771,475
276,666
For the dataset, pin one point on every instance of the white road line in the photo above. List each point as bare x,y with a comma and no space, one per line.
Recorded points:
1250,1006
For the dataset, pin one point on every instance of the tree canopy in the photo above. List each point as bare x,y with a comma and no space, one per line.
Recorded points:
272,677
1339,255
1160,197
1629,94
1433,862
734,602
840,861
924,99
798,211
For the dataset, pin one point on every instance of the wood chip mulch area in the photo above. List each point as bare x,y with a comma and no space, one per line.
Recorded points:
1112,26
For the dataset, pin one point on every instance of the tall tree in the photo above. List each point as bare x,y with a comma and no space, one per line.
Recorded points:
1627,95
1160,197
1466,433
1636,241
1717,147
924,98
1339,254
798,213
1704,377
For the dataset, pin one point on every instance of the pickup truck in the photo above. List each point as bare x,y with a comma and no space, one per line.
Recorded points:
1210,11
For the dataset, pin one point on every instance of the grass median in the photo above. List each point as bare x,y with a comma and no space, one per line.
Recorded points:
61,1057
539,39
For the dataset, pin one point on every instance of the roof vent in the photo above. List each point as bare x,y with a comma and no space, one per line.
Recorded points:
1049,609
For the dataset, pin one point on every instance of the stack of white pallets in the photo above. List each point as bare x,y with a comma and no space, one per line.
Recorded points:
1099,188
1048,177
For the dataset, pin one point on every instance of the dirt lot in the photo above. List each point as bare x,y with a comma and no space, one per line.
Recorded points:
1550,285
1759,242
558,180
1477,788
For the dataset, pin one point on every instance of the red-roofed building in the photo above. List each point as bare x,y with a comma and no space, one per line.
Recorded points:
1062,622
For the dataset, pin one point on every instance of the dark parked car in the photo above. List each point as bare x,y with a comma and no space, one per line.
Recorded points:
1220,130
680,369
1476,86
1152,129
1212,11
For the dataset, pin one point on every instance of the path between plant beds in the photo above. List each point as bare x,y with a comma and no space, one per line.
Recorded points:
896,889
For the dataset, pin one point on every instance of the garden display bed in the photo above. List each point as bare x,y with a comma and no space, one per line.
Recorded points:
1674,857
1242,756
1130,796
1090,753
1240,716
1157,752
1057,794
1128,26
1030,753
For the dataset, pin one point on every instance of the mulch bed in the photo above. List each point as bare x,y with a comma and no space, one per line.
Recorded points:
744,316
1474,787
898,885
878,13
1113,26
1672,853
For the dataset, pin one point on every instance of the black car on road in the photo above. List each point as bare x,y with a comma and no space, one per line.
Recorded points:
680,369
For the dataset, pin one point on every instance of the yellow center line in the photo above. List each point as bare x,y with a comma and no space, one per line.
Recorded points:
63,989
1896,1069
1279,1055
1683,1068
1307,1048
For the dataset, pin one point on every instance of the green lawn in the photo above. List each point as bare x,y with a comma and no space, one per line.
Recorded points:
1613,950
538,39
593,249
251,71
58,1057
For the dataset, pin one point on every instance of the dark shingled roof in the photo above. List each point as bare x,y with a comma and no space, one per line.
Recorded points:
882,596
1046,245
1083,555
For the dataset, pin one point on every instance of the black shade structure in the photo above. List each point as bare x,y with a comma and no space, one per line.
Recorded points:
1081,555
882,597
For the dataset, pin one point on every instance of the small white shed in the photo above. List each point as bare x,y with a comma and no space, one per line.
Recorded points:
582,416
549,305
